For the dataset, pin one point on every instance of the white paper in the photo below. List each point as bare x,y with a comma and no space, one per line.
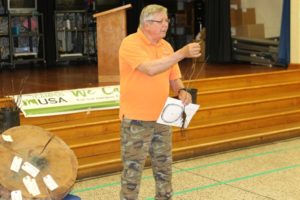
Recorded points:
16,195
30,169
31,185
172,113
7,138
50,182
16,164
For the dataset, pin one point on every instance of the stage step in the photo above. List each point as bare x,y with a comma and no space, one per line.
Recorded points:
235,111
111,162
63,119
227,141
239,81
103,144
248,93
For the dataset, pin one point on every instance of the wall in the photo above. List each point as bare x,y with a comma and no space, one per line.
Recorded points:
268,12
295,32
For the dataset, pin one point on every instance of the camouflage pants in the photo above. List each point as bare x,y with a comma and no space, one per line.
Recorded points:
138,139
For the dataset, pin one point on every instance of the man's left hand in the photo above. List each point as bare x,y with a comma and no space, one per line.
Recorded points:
185,97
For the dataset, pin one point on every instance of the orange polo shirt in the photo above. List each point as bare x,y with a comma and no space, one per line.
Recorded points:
142,97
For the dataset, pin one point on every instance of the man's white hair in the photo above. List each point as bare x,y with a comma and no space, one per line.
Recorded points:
148,12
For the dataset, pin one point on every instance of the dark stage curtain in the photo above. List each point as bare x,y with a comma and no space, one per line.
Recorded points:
133,15
284,44
47,8
218,35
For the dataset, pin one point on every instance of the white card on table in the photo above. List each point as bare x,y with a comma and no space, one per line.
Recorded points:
50,182
16,164
31,185
16,195
30,169
7,138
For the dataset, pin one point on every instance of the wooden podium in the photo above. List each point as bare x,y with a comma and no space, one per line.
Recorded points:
111,29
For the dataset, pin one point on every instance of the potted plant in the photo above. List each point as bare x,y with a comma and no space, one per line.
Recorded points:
9,114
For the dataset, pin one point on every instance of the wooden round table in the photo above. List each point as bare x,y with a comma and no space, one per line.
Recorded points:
46,152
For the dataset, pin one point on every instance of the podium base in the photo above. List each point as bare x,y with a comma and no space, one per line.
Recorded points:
108,78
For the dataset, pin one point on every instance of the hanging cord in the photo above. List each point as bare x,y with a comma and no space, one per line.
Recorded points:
193,69
202,67
183,114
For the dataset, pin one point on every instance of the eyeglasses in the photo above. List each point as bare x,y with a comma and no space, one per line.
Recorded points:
159,21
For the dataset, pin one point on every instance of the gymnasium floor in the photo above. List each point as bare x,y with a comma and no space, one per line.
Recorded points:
266,172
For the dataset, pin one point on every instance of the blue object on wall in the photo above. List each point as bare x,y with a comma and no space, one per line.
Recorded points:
284,41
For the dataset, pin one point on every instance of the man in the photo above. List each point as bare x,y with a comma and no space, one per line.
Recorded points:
148,67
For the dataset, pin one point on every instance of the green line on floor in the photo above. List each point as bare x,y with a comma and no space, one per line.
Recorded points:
236,159
232,180
191,169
